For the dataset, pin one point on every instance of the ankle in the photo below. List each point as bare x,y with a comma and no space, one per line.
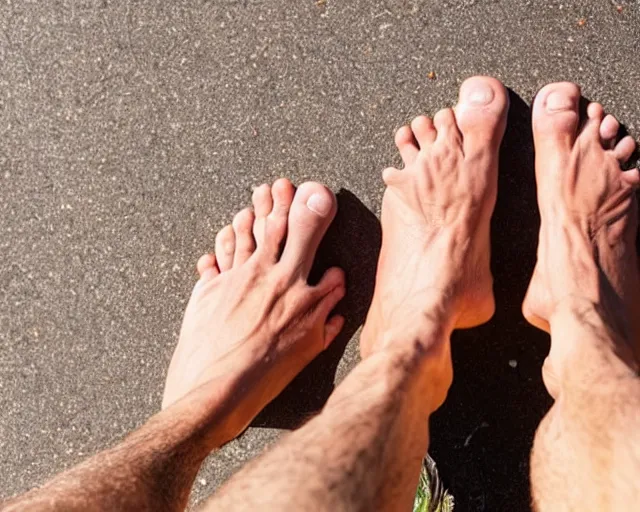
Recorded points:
430,316
594,341
418,356
405,370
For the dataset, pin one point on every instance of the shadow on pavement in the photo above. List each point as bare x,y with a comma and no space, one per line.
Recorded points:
353,244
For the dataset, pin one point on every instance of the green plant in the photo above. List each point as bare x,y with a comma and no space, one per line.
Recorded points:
431,496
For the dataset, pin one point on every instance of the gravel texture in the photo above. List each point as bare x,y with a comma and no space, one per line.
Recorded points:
131,131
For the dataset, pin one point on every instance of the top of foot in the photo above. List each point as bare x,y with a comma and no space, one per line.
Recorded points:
587,202
587,208
436,212
252,316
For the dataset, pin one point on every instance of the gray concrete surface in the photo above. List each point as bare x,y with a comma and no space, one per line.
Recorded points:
131,131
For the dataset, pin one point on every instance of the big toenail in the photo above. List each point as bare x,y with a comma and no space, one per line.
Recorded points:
481,94
320,204
557,101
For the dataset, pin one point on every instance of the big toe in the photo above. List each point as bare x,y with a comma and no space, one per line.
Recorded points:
556,116
314,207
481,113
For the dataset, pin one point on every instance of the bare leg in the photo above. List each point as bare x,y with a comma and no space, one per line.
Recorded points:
586,453
363,452
251,325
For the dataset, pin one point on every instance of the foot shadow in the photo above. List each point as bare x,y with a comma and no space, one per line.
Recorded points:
482,436
353,244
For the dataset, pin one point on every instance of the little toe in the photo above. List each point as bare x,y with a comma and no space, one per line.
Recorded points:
262,206
556,116
481,114
225,247
205,263
245,243
424,131
609,131
312,210
446,127
208,269
407,145
391,175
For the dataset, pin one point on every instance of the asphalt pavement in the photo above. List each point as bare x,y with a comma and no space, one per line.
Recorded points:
131,131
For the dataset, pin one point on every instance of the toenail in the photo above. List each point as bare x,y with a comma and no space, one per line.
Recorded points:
557,101
481,94
320,204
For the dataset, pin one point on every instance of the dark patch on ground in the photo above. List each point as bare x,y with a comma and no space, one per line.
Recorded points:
482,436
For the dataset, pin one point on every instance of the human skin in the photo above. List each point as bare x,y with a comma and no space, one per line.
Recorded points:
253,322
364,450
584,291
251,325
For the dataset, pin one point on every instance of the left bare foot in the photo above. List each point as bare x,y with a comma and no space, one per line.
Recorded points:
434,267
252,314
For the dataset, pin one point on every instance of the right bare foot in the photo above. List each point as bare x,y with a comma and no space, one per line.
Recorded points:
588,214
434,261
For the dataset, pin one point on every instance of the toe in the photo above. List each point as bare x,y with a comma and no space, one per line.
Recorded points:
262,206
424,131
332,328
391,175
445,124
556,116
590,133
609,131
632,177
262,201
208,269
407,145
595,112
245,243
205,263
331,289
481,113
624,149
282,193
225,247
312,210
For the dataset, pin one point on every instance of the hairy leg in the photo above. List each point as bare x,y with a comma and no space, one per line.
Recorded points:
251,325
363,452
586,453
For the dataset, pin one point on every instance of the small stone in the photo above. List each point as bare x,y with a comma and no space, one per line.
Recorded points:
202,481
432,75
513,363
582,22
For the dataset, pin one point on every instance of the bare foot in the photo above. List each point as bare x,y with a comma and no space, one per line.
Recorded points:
252,313
588,213
436,212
